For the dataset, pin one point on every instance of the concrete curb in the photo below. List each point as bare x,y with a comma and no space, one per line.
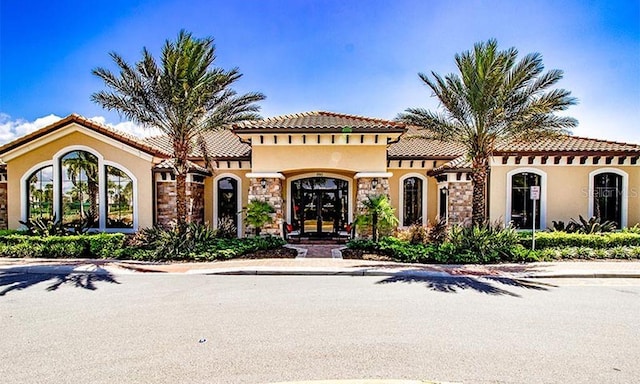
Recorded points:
119,268
284,271
365,381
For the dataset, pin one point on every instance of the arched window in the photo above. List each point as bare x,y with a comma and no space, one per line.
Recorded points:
40,194
119,190
607,197
412,201
80,188
227,206
521,203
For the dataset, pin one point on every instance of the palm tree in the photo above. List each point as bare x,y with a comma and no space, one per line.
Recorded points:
494,99
183,97
377,210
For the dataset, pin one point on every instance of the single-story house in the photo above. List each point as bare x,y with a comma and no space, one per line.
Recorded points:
315,168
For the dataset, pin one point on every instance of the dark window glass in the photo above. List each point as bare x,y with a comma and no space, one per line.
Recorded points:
228,202
521,203
412,195
442,209
607,197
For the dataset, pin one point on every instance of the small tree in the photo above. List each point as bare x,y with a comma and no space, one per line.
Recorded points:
258,214
378,213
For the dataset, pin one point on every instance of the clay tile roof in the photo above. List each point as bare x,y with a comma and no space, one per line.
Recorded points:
568,144
418,143
89,124
319,121
459,163
193,167
220,144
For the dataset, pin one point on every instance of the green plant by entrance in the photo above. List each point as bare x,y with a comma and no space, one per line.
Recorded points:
258,214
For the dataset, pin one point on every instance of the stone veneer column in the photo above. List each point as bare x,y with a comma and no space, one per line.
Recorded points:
460,202
365,189
4,220
166,198
195,201
271,193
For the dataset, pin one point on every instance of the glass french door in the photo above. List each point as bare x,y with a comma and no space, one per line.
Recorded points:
319,205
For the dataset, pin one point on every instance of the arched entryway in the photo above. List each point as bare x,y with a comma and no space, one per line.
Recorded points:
319,206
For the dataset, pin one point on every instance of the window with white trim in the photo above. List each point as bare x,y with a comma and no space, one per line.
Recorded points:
228,202
521,203
412,201
79,188
40,194
607,197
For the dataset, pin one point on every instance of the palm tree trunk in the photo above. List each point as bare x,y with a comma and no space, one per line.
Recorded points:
93,202
374,226
479,200
181,198
181,150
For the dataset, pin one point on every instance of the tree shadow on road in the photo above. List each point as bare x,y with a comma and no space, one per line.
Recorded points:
19,278
485,284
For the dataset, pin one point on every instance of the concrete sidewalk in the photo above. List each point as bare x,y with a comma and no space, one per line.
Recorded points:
326,266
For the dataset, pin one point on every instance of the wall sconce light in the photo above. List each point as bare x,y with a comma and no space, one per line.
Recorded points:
374,183
263,183
445,190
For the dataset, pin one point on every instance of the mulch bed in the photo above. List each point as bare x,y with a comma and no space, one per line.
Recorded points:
280,253
359,254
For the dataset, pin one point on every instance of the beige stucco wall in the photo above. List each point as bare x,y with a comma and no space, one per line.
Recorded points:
567,191
17,167
356,158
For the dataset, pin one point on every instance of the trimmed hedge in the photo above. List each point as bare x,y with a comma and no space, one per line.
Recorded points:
447,253
595,240
103,245
212,249
113,246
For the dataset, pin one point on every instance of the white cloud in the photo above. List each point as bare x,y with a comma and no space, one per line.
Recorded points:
12,129
128,127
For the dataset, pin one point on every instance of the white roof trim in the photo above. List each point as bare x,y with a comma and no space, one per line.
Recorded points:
372,174
266,175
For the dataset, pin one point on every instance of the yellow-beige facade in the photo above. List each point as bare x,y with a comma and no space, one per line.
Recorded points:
316,169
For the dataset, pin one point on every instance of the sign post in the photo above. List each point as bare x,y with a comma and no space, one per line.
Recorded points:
534,192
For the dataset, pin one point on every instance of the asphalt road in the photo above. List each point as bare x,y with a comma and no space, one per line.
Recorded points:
259,329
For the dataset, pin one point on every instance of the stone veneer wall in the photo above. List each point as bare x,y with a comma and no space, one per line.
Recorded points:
364,190
4,223
195,192
460,202
166,200
272,193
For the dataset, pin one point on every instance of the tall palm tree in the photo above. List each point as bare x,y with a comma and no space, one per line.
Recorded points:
494,99
183,96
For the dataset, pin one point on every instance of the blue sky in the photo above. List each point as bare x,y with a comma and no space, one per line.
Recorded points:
358,57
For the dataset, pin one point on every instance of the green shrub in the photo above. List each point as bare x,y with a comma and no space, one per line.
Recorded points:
195,242
55,247
595,240
593,225
483,244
